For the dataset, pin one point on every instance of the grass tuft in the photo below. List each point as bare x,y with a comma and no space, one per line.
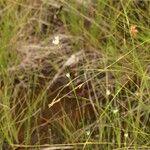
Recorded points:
74,74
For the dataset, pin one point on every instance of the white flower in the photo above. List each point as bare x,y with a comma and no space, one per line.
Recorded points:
115,111
56,40
108,92
88,133
126,135
68,75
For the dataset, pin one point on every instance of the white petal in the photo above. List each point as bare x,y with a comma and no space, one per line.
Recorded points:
126,135
108,92
56,40
115,111
67,75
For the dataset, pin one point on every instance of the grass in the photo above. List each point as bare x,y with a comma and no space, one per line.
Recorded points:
91,91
